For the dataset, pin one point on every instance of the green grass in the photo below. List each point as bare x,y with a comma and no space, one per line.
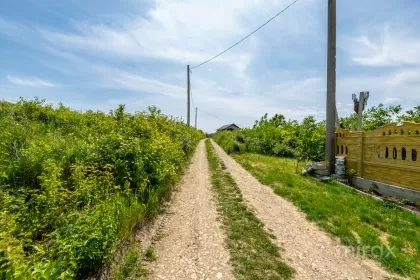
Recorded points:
130,267
380,229
150,254
253,254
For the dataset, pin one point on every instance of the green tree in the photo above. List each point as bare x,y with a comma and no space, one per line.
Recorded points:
379,116
374,117
310,141
276,121
411,115
349,122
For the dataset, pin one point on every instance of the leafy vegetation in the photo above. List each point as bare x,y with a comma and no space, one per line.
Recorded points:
411,115
373,117
380,115
130,266
278,137
303,140
374,228
253,254
150,254
73,184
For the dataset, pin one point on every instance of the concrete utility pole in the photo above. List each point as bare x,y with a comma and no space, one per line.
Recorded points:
188,95
331,106
360,111
360,107
196,117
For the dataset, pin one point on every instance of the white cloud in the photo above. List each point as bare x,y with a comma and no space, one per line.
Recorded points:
123,79
396,87
405,76
30,82
300,90
387,49
185,31
390,100
294,98
182,32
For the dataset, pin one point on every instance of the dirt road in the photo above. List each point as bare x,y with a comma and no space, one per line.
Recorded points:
192,244
311,252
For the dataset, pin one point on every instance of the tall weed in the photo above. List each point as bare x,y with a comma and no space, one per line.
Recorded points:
73,184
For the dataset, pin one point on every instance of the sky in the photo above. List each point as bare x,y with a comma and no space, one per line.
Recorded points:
97,54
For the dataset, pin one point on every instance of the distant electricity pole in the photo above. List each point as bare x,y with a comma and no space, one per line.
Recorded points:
188,95
196,117
359,106
331,106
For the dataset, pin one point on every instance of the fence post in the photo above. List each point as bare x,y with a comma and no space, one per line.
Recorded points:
360,153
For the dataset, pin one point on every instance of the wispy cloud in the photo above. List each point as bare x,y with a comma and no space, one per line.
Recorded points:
405,76
389,48
138,56
131,81
390,100
398,86
30,82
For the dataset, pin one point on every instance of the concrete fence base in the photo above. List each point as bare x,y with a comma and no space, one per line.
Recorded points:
386,189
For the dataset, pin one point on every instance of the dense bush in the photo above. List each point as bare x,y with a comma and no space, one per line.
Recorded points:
73,184
377,116
277,137
305,140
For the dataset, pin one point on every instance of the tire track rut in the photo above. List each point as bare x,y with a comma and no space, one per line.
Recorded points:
311,251
191,243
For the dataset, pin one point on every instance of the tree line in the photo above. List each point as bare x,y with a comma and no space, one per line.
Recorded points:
304,140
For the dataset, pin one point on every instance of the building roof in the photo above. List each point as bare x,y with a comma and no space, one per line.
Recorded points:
227,126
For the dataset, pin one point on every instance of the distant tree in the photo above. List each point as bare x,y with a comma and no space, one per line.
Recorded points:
374,117
310,141
411,115
276,121
349,122
379,116
119,112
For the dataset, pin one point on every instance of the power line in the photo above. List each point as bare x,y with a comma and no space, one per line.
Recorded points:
243,39
192,99
217,117
211,115
191,94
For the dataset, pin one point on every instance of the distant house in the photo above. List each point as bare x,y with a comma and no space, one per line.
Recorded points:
229,127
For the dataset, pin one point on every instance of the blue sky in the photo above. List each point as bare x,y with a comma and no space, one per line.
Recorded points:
98,54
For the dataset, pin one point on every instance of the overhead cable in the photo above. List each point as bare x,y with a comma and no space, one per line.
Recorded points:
216,116
243,39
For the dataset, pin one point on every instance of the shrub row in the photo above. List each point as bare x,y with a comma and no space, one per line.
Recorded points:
277,137
73,184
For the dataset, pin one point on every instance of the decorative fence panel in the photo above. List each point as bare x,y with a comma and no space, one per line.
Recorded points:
387,154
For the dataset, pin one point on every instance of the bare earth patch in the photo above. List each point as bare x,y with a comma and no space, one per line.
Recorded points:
311,251
191,243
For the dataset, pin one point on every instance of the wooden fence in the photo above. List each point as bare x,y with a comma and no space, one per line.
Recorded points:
387,154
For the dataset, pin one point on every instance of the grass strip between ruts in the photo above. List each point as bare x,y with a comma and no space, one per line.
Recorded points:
252,253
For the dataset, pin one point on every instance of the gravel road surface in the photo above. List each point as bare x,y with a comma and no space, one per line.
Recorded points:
310,251
191,243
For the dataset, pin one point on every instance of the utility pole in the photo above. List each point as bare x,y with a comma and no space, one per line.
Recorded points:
360,111
188,95
331,106
359,107
195,117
